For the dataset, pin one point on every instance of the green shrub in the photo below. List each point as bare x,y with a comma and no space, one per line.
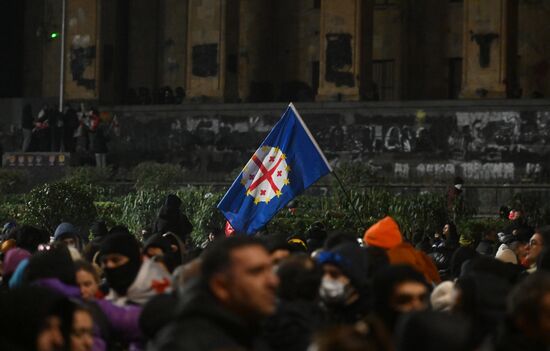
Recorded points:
158,176
472,229
199,204
12,181
138,210
11,208
109,211
50,204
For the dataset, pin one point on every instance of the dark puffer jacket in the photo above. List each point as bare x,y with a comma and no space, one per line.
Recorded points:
204,325
442,254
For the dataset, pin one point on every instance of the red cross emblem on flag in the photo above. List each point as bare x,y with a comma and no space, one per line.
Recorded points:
265,175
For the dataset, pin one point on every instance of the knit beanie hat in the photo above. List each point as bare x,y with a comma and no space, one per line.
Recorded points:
13,258
64,230
121,243
158,240
352,261
385,234
443,296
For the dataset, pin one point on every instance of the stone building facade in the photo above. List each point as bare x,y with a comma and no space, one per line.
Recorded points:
280,50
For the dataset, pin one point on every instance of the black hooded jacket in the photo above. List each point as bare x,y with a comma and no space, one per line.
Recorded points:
171,219
205,325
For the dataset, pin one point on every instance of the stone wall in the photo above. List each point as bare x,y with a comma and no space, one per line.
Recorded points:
406,142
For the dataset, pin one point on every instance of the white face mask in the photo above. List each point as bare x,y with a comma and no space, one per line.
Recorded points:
332,291
458,186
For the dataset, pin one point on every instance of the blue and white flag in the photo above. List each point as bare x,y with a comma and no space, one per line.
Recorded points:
287,162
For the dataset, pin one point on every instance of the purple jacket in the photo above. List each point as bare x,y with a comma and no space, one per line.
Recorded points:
124,320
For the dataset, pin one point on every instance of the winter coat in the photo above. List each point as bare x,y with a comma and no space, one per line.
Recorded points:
171,219
203,324
292,326
152,279
405,253
122,321
441,255
486,248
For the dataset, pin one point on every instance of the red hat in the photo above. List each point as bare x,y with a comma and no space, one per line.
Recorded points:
385,234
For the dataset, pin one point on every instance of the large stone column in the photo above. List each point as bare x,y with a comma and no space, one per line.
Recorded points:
82,49
490,48
345,50
172,46
212,45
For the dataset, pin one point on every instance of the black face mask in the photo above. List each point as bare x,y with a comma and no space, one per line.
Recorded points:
120,278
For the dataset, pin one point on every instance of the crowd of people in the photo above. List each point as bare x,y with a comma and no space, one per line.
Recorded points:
101,288
81,131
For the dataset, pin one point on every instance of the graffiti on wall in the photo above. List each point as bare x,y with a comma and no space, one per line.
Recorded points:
481,146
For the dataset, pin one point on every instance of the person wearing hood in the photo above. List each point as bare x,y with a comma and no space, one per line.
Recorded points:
130,279
386,234
298,312
52,269
344,286
398,290
171,219
68,234
224,308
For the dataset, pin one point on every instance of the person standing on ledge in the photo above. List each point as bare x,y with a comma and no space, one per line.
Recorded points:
455,198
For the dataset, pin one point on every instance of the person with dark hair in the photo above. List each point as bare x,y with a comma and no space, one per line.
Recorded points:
52,262
518,224
172,219
278,247
527,325
344,287
130,280
222,310
81,335
34,318
481,292
398,290
315,236
539,241
29,238
298,314
487,245
442,251
339,237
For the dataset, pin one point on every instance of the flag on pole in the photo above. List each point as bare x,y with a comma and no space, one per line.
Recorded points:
287,162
